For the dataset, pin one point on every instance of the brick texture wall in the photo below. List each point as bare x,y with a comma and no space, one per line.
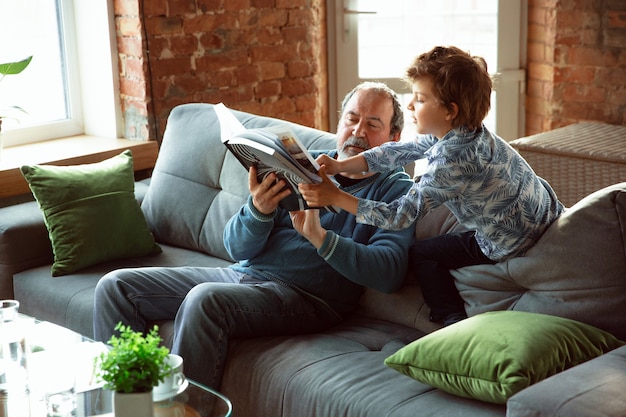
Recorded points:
576,63
269,57
262,56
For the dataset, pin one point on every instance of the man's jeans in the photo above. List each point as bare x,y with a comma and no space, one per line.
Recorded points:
210,306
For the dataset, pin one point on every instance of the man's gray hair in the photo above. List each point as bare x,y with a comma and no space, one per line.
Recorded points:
397,121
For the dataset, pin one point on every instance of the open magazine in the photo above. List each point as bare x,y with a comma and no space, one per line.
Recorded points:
271,149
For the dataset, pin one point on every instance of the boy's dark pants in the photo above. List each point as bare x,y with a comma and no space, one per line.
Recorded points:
432,259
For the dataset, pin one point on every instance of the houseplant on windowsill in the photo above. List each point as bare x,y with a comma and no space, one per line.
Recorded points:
133,365
11,68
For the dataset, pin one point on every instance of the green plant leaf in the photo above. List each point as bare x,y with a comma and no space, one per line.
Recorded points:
136,362
15,67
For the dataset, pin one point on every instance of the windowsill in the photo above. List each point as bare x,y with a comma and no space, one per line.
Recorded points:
73,150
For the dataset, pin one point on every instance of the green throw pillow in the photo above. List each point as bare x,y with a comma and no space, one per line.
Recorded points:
90,212
493,355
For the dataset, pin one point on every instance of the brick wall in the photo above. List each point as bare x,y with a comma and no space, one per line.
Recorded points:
262,56
576,63
269,57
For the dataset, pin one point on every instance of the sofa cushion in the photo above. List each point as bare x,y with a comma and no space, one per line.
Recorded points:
196,187
493,355
90,212
576,270
407,306
339,372
68,300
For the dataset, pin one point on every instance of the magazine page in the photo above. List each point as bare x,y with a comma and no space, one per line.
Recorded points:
230,126
296,149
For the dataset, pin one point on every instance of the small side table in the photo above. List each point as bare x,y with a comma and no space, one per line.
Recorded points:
577,159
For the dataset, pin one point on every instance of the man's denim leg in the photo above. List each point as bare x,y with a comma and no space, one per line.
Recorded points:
212,314
137,297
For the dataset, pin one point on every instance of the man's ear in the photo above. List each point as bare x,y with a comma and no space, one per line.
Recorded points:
453,111
395,137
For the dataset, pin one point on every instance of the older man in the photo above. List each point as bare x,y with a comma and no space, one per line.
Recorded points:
298,272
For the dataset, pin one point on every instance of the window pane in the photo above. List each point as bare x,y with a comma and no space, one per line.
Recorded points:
33,28
402,29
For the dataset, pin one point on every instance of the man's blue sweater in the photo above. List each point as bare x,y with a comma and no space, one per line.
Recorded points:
352,256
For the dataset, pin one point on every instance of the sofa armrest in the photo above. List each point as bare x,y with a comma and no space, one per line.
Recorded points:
24,242
594,388
141,188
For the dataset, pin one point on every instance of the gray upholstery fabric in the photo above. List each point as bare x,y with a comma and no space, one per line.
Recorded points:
24,243
337,373
407,305
593,389
576,270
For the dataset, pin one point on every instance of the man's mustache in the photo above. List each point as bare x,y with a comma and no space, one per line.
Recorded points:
356,142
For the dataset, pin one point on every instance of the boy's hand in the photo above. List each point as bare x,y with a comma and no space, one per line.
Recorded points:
323,194
266,194
332,165
326,193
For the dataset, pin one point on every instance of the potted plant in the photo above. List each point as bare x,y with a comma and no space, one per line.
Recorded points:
11,68
134,364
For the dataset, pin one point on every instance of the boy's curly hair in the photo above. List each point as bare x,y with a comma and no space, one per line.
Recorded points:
457,78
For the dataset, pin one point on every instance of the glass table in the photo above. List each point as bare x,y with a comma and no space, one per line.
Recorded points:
195,401
57,352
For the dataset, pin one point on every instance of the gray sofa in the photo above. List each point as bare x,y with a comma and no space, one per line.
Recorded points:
577,270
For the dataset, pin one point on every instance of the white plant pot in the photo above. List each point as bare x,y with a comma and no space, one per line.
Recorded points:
133,405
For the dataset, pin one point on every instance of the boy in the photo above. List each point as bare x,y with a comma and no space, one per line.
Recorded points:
482,180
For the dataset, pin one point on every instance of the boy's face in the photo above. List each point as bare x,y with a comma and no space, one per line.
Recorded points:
365,123
429,114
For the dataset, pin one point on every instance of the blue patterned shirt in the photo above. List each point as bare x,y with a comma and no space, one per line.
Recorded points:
482,180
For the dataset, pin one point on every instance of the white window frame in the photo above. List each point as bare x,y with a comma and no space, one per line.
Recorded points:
509,74
93,77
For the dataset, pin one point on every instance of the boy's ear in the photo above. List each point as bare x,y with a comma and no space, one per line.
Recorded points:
453,111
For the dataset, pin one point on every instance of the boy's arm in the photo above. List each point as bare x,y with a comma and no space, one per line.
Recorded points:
333,166
392,155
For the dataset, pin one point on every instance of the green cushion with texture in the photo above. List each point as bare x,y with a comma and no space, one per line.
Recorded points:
91,212
493,355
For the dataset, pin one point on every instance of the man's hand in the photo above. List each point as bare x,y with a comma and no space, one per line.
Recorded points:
307,223
266,194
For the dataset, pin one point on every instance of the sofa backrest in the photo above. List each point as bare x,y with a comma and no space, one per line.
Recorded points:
576,270
196,184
